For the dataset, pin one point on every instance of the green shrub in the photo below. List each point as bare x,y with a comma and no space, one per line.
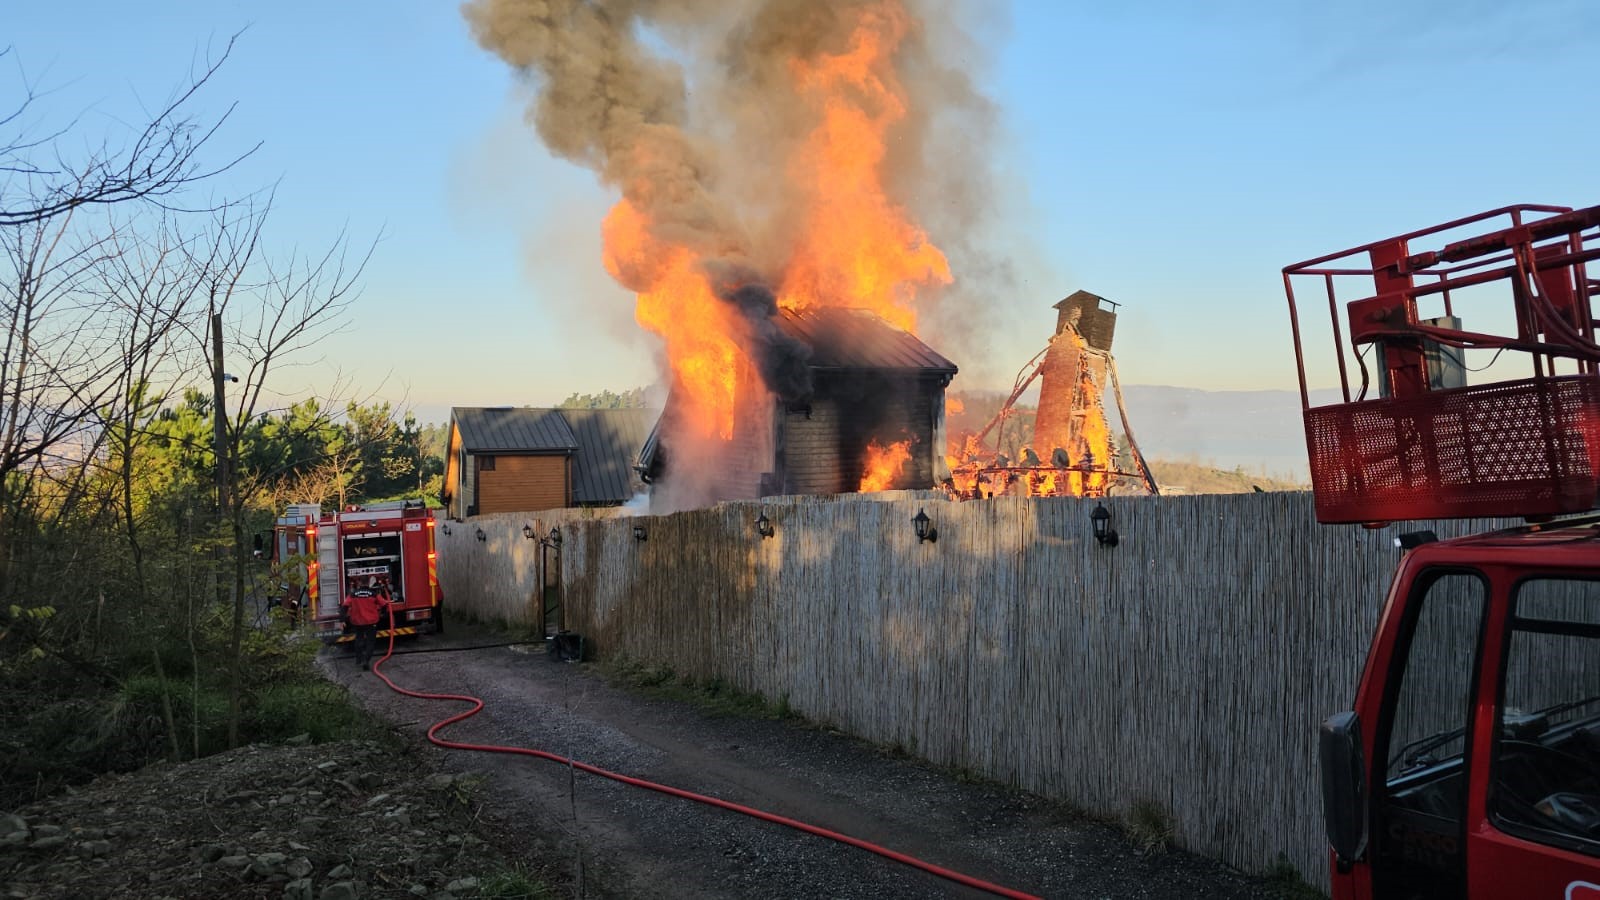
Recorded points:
514,884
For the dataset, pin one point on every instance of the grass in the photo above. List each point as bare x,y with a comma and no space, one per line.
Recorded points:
1284,880
1149,826
713,696
514,884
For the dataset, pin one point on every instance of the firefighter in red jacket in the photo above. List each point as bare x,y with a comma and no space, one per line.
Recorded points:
366,609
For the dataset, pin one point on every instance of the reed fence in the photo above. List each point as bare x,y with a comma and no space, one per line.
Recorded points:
1189,666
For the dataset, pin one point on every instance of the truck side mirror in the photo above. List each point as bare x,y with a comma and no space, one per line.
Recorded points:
1344,789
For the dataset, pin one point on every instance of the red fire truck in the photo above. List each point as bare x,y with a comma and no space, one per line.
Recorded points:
385,548
1470,763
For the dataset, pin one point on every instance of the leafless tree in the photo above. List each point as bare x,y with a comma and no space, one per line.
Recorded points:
157,162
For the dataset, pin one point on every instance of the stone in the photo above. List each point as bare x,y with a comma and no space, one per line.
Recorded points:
95,848
299,867
327,766
268,864
339,890
235,862
311,824
377,798
298,889
462,885
299,739
210,853
340,872
11,823
418,890
52,842
46,830
441,780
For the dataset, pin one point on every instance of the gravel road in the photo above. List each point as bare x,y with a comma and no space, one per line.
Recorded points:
621,841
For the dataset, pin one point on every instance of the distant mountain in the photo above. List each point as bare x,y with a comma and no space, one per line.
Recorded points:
1253,430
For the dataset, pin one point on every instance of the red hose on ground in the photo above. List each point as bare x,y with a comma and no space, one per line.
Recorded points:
477,705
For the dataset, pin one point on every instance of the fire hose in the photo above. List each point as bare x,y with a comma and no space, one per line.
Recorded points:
477,706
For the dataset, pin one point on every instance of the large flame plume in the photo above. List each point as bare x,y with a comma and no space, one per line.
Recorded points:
766,187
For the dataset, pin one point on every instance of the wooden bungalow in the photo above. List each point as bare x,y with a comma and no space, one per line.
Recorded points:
509,459
869,383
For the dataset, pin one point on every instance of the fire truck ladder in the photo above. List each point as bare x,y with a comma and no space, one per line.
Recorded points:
330,574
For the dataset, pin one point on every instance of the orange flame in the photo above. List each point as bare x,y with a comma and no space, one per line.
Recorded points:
854,246
883,465
676,302
857,247
954,406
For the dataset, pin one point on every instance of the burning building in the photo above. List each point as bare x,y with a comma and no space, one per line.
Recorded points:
1072,451
778,164
862,409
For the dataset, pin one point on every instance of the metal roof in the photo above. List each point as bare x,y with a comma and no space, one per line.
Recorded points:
602,470
505,428
857,339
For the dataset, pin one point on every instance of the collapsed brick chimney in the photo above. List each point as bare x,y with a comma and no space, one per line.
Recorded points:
1072,382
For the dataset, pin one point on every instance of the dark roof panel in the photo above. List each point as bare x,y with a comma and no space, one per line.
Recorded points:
857,339
503,428
602,471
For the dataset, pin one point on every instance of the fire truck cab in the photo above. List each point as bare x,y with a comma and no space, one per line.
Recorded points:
1469,765
385,548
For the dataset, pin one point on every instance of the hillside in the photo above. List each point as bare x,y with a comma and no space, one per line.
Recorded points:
1187,476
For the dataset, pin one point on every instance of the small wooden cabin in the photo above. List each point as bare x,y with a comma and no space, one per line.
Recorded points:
509,459
869,382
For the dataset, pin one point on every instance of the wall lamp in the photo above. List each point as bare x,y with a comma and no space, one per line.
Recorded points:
764,526
1103,532
924,527
553,539
446,527
481,535
639,533
527,531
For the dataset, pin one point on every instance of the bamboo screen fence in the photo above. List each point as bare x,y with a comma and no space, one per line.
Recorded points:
1190,665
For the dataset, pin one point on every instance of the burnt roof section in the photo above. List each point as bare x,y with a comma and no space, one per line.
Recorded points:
505,428
602,470
843,339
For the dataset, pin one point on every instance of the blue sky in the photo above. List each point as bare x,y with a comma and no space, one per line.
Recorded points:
1168,155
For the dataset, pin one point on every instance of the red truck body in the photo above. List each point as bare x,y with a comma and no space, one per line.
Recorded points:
387,548
1470,763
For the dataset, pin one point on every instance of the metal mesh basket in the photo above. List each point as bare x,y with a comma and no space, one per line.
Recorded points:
1513,448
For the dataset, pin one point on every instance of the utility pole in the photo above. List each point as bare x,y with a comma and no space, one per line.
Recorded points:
219,416
225,514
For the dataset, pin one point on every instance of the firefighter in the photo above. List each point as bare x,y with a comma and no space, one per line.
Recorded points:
365,609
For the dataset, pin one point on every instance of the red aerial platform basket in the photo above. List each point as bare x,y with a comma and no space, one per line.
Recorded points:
1413,439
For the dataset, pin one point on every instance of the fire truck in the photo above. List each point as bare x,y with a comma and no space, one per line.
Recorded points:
1469,765
385,548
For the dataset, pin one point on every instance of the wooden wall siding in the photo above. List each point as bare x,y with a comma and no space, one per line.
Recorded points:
518,483
1191,665
824,451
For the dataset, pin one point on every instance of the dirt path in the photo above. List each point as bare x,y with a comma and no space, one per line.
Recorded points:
620,841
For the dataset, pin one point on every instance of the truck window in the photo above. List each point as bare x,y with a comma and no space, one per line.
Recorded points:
1546,776
1420,835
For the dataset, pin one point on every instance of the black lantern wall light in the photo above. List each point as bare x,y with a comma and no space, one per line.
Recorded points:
764,526
1104,534
924,527
481,536
640,533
